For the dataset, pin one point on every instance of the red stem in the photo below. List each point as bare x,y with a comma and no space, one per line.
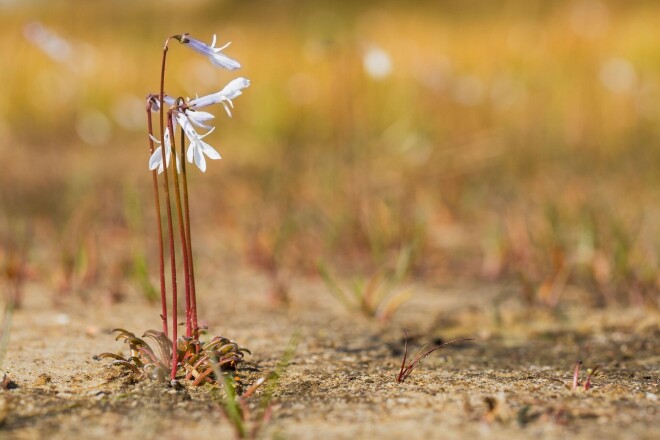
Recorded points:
161,260
400,377
191,266
182,233
170,230
576,374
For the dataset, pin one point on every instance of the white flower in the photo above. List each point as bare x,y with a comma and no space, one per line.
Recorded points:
197,148
214,54
199,118
224,96
156,159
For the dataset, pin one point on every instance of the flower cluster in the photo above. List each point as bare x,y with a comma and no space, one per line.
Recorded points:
187,114
190,117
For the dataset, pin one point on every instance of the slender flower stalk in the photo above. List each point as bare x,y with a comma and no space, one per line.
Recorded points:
161,256
191,265
168,209
182,234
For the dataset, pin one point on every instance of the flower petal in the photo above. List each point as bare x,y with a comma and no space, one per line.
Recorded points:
227,109
190,153
235,87
199,160
199,117
156,159
209,151
222,60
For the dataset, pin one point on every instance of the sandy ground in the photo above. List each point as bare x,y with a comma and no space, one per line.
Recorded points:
512,382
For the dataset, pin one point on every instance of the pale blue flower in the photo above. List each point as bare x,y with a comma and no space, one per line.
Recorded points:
224,96
213,53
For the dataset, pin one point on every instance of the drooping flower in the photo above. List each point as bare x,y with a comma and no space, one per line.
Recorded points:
156,159
213,53
197,148
184,118
224,96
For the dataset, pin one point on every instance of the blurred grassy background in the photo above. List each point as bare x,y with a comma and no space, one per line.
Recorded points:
514,140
